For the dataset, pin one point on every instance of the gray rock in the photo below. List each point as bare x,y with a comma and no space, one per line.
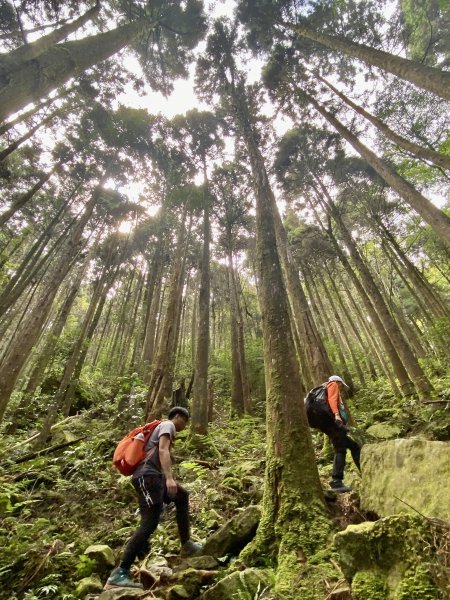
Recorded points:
414,470
235,534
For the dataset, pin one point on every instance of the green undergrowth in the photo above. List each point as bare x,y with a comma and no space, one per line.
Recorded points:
54,506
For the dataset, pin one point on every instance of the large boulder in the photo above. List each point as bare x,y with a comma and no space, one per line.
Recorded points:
413,470
396,557
241,584
235,534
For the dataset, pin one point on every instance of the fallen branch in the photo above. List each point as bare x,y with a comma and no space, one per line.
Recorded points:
435,401
37,453
33,437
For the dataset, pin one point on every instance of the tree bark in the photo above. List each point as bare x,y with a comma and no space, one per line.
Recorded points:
317,357
15,59
399,369
45,354
25,198
58,64
292,510
237,390
200,399
160,387
428,78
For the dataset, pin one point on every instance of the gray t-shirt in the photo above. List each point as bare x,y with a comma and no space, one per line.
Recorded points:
152,465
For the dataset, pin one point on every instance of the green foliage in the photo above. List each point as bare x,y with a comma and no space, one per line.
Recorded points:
85,566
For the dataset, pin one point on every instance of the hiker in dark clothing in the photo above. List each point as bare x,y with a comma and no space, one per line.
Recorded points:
155,485
330,416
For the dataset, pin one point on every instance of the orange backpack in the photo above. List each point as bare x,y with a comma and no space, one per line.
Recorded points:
130,450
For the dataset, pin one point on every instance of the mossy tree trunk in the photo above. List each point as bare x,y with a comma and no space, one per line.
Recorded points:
200,390
160,386
293,518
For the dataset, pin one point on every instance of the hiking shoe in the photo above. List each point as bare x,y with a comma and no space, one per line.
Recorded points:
191,548
339,486
121,578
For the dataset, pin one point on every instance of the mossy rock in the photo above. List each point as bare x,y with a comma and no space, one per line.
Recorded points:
89,585
377,544
413,470
177,592
235,534
369,585
103,557
384,431
241,584
391,557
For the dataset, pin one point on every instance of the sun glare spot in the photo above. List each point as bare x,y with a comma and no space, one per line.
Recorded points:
125,226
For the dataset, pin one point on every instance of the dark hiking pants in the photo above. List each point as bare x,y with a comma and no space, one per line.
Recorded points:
322,419
152,493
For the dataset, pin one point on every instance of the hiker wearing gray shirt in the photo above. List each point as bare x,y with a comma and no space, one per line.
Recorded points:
155,485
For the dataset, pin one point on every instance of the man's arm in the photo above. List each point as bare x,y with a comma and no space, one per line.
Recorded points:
333,400
166,464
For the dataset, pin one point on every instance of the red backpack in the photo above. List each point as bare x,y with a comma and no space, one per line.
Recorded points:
130,451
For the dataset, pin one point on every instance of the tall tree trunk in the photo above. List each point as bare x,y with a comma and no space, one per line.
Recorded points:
292,507
343,330
36,78
29,113
410,362
65,393
20,202
436,218
355,330
46,352
428,78
160,387
26,136
438,159
237,390
315,351
435,303
200,399
32,324
397,364
246,394
14,59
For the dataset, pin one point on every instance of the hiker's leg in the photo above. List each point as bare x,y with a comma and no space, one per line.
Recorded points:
150,493
181,501
355,450
338,438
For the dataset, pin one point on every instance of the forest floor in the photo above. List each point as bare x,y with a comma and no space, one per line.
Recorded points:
56,505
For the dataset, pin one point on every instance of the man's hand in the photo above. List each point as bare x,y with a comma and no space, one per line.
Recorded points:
337,418
171,486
